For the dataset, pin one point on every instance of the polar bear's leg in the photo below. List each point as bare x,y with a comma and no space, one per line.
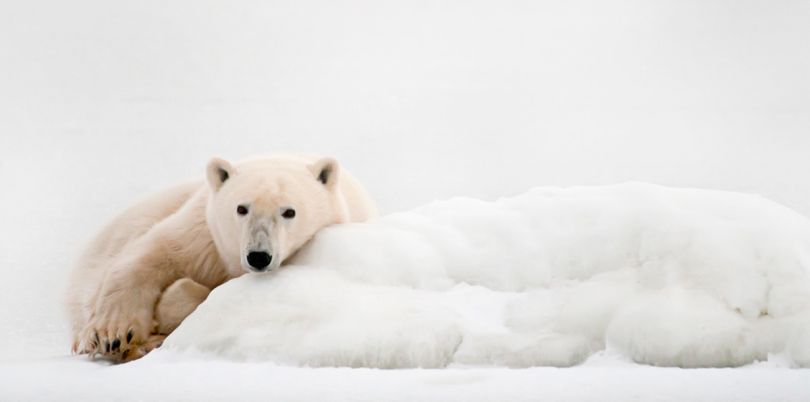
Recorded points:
177,302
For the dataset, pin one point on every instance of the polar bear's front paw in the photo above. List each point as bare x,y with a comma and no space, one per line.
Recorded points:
115,332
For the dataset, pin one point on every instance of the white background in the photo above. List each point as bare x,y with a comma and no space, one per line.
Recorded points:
102,102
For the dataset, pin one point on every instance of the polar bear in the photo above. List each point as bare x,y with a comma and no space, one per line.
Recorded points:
152,265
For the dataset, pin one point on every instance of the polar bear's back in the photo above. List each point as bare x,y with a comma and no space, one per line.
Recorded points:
359,206
140,217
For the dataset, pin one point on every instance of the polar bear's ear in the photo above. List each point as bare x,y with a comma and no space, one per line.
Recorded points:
218,172
326,171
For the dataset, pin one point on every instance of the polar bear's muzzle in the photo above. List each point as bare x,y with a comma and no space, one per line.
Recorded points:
260,249
259,260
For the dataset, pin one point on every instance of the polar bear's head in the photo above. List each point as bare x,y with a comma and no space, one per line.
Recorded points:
262,211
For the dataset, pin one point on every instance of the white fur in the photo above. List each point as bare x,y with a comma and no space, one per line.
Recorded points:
193,231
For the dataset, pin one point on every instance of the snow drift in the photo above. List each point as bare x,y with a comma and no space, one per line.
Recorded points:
672,277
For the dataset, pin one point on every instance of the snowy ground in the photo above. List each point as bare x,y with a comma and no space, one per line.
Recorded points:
102,102
604,380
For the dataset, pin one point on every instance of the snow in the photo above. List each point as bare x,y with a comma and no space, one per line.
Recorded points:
102,103
668,277
195,380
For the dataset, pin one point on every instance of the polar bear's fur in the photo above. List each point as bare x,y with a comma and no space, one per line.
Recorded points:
152,265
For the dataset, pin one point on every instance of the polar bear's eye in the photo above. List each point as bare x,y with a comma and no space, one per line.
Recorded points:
289,213
241,210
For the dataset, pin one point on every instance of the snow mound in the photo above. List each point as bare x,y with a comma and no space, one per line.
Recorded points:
663,276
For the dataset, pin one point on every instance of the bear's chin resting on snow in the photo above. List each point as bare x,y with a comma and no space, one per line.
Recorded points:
662,276
152,265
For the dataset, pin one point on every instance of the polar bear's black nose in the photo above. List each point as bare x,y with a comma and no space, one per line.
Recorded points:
259,259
